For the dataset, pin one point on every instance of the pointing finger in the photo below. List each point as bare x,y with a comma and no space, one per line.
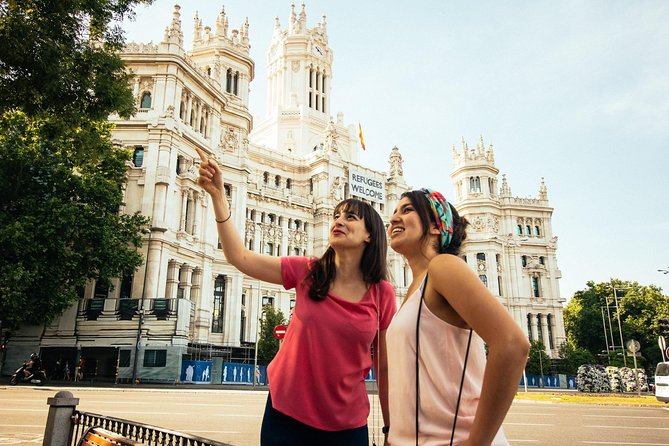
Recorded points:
203,156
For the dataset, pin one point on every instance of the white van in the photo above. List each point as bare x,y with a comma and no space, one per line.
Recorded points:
662,382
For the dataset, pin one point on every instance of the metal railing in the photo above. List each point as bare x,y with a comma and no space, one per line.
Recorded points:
144,433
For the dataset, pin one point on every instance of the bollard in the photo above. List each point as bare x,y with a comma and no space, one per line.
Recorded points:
59,422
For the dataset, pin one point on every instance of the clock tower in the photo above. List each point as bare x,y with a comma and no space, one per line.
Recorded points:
299,73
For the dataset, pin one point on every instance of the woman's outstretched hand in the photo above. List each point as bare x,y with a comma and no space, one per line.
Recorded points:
211,178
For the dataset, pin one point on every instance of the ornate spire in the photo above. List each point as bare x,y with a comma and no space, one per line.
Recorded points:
505,192
222,23
197,28
543,190
396,163
173,33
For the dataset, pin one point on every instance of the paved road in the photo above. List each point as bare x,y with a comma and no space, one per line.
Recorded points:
234,416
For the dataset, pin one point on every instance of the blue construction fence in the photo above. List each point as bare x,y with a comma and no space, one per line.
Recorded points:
556,382
218,372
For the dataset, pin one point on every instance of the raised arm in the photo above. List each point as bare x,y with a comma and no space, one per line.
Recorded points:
259,266
507,344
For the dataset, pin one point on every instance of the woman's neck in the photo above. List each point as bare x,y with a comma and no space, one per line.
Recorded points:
347,264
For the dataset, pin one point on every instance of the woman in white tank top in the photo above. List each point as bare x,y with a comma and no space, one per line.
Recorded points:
436,356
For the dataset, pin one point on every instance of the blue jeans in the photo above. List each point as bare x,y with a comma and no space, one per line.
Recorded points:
281,430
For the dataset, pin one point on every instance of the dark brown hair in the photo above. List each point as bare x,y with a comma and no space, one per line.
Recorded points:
422,206
373,261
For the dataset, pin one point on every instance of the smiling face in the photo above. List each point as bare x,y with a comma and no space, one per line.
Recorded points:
405,229
348,229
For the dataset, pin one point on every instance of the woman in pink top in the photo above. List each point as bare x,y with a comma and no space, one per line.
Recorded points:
441,388
343,306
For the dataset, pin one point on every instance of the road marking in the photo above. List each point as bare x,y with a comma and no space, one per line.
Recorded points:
528,424
626,444
632,427
624,416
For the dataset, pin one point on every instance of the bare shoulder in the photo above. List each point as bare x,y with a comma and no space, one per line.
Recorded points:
446,263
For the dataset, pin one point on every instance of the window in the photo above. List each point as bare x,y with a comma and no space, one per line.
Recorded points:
523,260
288,183
277,181
528,231
146,100
519,229
267,301
265,177
292,304
499,285
535,287
537,231
155,358
126,286
101,290
235,83
124,358
541,260
228,81
269,249
529,327
138,156
540,332
219,305
549,325
242,325
480,256
484,279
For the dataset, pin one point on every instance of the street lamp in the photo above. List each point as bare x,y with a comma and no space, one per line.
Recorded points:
620,327
140,310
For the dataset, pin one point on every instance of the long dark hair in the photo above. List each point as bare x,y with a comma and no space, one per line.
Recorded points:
373,261
427,219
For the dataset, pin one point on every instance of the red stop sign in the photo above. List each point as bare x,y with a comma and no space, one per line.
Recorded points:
280,331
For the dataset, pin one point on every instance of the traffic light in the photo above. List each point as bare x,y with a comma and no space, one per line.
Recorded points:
664,326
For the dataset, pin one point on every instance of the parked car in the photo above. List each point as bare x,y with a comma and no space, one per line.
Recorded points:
662,382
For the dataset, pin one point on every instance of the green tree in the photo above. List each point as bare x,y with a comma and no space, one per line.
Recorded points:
538,363
61,179
268,345
572,357
640,308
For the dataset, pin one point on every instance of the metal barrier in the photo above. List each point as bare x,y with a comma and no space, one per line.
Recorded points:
65,426
144,433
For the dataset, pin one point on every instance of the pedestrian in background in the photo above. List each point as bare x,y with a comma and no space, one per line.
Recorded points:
441,389
317,391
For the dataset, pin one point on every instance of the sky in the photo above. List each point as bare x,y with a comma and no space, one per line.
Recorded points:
575,92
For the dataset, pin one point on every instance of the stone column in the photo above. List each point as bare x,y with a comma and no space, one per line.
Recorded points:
59,420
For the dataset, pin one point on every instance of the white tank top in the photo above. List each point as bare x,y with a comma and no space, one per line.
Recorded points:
442,354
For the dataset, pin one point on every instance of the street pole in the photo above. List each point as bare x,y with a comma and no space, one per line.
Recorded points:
606,338
255,350
541,368
620,327
140,310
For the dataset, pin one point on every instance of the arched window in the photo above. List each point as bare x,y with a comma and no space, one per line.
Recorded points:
265,177
540,332
228,80
277,181
535,287
528,231
529,327
138,156
235,84
537,231
219,305
519,229
523,260
146,100
549,325
288,183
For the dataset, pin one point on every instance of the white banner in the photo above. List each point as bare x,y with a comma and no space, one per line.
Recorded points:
363,186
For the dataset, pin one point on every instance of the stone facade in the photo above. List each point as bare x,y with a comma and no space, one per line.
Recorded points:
284,175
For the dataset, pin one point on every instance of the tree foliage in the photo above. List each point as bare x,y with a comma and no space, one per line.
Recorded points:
538,363
640,309
268,345
61,179
572,357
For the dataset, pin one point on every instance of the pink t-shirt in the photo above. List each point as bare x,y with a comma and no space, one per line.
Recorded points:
318,375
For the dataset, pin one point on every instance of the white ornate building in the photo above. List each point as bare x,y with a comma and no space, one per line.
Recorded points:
284,175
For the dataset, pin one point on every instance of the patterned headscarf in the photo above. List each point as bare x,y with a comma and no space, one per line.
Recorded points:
442,214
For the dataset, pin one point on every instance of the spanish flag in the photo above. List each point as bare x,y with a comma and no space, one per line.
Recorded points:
362,140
